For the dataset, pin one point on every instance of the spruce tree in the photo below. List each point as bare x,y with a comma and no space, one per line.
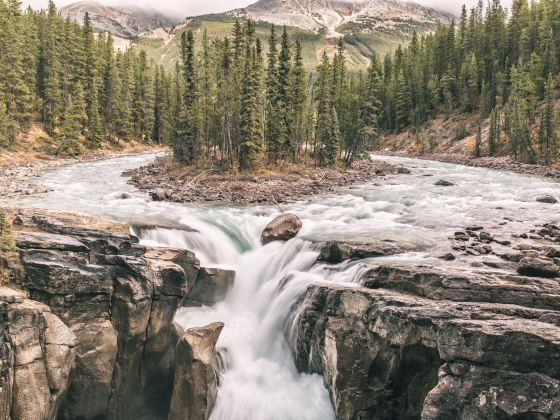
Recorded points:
298,94
272,118
324,130
251,138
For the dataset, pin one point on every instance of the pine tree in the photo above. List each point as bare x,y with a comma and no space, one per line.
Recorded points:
403,102
547,133
282,103
332,147
186,145
251,138
272,118
298,94
494,133
324,130
69,134
478,140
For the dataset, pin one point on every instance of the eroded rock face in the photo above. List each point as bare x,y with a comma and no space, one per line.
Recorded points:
37,354
335,252
196,376
119,300
282,228
212,286
388,354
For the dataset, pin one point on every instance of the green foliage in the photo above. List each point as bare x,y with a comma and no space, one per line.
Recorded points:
56,72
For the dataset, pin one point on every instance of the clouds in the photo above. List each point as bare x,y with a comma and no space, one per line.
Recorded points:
183,8
454,6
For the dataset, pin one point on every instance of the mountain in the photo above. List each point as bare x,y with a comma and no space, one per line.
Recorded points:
364,25
336,17
126,22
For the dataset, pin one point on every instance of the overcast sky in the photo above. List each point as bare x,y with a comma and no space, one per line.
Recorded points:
195,7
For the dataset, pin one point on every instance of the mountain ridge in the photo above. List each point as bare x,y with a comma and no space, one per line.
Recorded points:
125,21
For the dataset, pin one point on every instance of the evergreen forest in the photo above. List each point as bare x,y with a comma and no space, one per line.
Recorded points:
230,103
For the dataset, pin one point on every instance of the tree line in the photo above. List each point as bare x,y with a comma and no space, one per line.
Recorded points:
491,63
231,103
237,105
59,73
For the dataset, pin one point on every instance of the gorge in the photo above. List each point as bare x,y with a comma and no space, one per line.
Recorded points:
398,298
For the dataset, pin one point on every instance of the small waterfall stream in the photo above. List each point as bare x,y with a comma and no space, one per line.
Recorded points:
260,379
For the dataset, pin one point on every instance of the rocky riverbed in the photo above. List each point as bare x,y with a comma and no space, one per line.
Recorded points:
502,163
166,182
475,335
21,179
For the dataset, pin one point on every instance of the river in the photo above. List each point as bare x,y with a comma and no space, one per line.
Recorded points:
260,379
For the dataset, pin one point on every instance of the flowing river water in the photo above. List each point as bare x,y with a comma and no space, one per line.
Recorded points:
260,380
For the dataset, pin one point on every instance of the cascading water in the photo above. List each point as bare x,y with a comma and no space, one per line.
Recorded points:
260,380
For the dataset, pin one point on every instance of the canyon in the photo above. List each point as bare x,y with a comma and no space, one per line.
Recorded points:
128,307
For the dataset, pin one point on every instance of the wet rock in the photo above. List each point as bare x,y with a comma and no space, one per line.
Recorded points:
388,354
447,257
38,353
212,286
485,236
465,285
196,376
548,199
461,236
444,183
118,299
538,267
475,228
125,196
41,189
282,228
335,252
159,194
404,171
43,240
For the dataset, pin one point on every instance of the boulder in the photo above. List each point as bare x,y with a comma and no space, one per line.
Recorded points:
403,171
196,375
282,228
41,189
159,194
444,183
38,355
538,267
211,286
335,252
548,199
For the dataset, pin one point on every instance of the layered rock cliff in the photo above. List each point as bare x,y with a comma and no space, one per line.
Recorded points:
435,343
96,337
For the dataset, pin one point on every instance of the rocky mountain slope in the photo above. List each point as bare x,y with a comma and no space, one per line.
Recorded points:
366,25
122,21
343,16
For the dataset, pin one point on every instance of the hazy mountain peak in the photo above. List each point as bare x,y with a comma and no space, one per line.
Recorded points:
334,15
125,21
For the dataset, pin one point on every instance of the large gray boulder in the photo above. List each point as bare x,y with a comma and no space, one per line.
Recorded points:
196,375
212,286
538,267
37,354
282,228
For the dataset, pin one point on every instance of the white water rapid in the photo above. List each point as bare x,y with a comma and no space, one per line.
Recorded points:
260,379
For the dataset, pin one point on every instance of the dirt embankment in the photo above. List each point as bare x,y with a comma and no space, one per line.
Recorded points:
167,181
452,139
